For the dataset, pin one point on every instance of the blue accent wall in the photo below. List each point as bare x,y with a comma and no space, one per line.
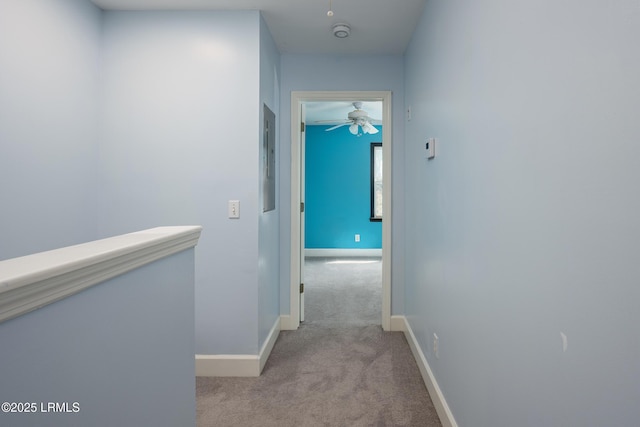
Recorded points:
338,189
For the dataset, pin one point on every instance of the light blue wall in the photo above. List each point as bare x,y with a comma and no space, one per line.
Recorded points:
49,59
122,349
338,189
525,225
113,122
180,137
330,73
268,222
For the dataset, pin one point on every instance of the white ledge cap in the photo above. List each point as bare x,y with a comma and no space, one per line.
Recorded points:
31,281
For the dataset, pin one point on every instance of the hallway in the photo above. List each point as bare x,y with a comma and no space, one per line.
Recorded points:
338,369
342,292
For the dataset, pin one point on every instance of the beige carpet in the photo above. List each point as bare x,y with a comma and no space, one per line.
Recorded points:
338,369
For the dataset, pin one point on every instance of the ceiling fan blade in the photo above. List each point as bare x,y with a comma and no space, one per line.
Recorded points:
328,121
336,127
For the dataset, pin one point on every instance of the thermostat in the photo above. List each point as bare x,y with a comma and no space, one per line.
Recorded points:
431,148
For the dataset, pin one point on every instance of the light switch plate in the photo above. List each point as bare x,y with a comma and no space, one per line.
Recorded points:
234,209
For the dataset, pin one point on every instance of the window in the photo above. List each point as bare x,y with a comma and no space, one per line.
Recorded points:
376,181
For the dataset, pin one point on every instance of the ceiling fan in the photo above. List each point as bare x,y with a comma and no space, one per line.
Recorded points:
358,118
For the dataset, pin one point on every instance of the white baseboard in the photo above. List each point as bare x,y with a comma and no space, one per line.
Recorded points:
398,324
442,408
237,365
265,351
287,324
342,252
227,365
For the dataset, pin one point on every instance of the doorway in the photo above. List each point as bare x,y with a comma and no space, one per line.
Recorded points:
297,197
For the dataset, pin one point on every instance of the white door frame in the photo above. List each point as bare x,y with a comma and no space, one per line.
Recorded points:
297,98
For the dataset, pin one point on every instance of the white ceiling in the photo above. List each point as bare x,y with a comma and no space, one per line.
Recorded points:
378,27
337,112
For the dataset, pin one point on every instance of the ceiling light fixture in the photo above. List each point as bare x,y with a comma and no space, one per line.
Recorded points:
368,128
341,31
330,12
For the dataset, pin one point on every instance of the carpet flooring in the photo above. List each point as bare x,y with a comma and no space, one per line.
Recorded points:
338,369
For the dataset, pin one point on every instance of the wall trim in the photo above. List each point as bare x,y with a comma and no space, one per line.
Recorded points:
442,408
398,324
237,365
287,324
298,98
33,281
227,365
342,252
265,351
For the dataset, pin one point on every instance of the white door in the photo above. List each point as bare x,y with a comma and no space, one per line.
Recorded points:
302,208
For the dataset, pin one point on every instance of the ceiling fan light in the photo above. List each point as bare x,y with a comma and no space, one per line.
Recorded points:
368,128
353,129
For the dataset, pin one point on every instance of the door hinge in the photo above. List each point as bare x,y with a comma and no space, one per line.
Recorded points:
301,126
301,288
301,207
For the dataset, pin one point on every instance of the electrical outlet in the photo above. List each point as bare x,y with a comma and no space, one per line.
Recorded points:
436,349
431,148
357,237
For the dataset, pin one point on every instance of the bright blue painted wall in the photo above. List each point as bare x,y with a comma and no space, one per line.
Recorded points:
338,189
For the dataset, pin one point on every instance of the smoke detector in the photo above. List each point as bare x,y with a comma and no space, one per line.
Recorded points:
341,31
